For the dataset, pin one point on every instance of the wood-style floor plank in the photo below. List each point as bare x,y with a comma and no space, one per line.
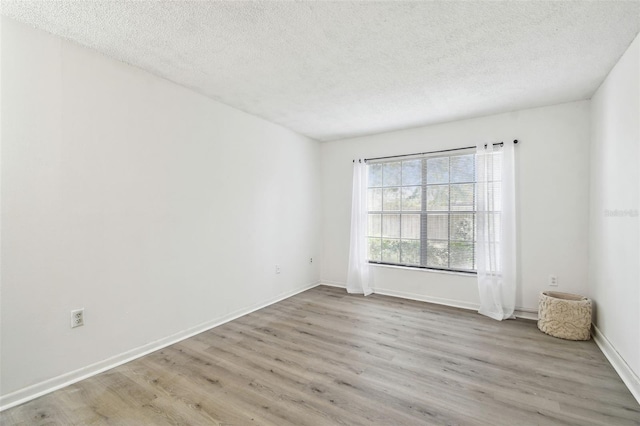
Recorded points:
324,357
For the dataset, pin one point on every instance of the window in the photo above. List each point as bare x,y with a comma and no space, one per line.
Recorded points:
422,212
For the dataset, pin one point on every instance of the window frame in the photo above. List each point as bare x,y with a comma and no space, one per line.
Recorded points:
424,213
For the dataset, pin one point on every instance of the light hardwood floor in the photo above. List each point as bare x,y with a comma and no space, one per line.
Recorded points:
324,357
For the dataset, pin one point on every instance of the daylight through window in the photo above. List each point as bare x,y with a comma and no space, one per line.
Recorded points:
422,212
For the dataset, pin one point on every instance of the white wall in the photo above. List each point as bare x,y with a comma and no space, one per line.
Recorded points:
156,209
553,188
614,274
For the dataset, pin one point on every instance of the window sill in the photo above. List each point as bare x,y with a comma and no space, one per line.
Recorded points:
437,271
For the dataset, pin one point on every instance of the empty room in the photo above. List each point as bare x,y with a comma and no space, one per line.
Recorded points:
319,213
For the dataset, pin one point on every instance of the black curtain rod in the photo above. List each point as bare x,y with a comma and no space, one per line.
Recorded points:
515,141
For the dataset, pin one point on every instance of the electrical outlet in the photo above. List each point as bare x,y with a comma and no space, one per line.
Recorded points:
311,260
277,269
553,281
77,318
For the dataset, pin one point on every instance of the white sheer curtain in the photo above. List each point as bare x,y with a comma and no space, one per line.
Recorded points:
358,275
496,230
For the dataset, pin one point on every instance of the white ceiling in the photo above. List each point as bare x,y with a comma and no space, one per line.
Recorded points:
332,70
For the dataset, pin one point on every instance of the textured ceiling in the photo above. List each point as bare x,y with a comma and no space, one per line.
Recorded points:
342,69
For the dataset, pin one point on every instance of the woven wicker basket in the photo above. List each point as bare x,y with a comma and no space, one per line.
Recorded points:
565,315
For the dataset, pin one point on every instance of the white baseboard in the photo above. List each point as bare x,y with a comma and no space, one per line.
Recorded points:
410,296
34,391
333,283
424,298
619,364
526,313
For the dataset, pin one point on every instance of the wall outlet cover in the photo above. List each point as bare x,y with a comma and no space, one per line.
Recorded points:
77,318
